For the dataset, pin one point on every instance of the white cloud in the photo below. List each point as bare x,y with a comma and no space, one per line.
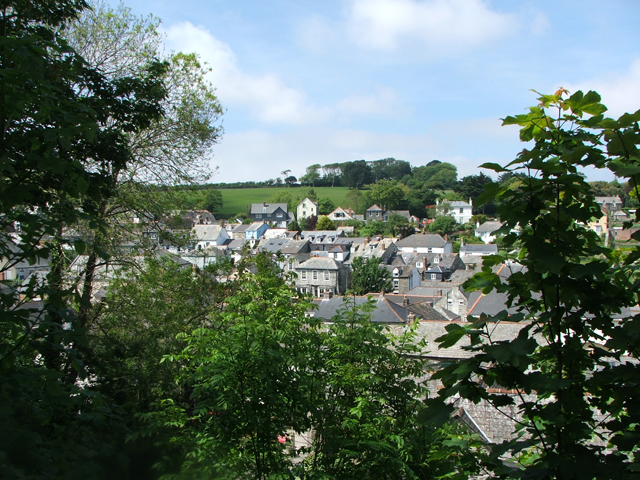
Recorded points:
265,96
384,101
438,25
258,155
619,92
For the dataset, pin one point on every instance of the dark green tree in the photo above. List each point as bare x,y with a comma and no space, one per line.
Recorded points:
325,206
444,224
388,194
399,225
389,169
574,365
356,174
211,200
63,128
368,276
325,223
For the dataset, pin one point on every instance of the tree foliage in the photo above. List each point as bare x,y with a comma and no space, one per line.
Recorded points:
388,194
325,223
64,127
265,370
442,225
356,174
368,276
577,350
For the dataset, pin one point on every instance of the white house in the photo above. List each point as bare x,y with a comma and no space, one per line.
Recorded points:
460,211
429,243
209,235
485,232
307,208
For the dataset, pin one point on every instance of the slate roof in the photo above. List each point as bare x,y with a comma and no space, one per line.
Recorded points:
421,240
207,232
268,208
255,226
273,245
457,204
489,227
236,243
384,311
319,263
240,228
430,330
479,249
294,247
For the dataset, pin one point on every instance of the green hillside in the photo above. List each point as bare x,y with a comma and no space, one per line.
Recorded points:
236,200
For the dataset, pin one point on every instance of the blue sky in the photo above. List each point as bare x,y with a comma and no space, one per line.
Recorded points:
328,81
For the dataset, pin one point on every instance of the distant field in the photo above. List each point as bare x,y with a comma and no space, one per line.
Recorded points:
236,199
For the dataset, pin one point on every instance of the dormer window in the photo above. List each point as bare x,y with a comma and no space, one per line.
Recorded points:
419,264
436,260
396,272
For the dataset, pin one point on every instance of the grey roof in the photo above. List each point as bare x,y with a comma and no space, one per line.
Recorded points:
461,276
422,240
490,226
267,208
294,246
615,199
240,228
430,330
237,243
424,311
255,226
319,263
273,245
402,213
207,232
457,203
374,208
482,248
384,311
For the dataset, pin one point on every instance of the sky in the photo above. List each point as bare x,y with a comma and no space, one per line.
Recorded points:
326,81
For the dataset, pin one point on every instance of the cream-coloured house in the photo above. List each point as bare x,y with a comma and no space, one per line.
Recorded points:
307,208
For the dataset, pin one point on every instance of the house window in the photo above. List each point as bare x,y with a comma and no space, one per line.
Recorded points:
304,213
436,260
303,275
396,283
315,274
429,250
434,276
258,215
460,302
419,264
462,210
326,276
279,215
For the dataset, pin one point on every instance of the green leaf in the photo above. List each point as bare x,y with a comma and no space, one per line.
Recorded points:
79,247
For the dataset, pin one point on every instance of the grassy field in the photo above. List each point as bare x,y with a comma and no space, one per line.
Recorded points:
236,200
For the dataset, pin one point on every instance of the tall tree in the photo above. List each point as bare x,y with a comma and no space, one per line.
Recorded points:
175,148
265,369
574,365
312,176
63,127
388,194
356,174
368,276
